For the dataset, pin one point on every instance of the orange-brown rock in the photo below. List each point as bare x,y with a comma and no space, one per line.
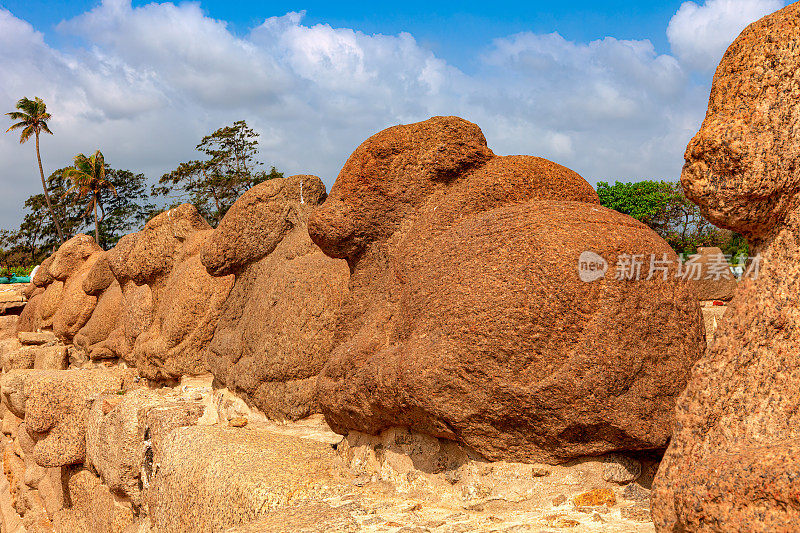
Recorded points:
103,321
169,303
732,462
62,305
27,318
76,307
43,276
184,318
135,316
467,318
276,330
710,275
57,404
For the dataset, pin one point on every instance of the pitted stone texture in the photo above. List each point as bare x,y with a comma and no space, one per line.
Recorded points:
714,280
185,316
103,322
148,256
71,256
42,278
136,315
57,404
37,339
96,507
28,317
259,220
467,318
117,432
276,329
63,305
100,277
732,462
252,474
12,387
621,469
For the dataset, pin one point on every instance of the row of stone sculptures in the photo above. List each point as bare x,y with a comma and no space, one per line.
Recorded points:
437,288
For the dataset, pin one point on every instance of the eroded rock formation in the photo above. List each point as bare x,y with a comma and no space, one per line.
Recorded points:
57,297
466,317
732,463
276,330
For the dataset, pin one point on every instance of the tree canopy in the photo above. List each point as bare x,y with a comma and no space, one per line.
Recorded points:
228,168
663,206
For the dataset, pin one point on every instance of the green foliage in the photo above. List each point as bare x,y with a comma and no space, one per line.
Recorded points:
88,177
128,210
37,233
663,206
214,183
32,116
37,237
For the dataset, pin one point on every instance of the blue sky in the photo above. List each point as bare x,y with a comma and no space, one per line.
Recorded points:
613,90
455,30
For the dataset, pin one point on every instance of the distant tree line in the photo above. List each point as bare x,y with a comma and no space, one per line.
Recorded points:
92,197
663,206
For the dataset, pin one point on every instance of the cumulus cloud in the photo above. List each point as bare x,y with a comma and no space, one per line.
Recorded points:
147,83
700,34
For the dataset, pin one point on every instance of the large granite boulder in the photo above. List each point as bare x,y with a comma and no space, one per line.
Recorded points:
467,318
185,316
211,478
117,435
732,463
276,329
57,404
169,304
58,299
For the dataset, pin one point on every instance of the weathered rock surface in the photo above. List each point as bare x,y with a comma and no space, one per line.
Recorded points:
185,316
36,339
252,474
276,329
117,432
94,507
467,318
732,462
710,275
101,324
57,404
62,305
168,304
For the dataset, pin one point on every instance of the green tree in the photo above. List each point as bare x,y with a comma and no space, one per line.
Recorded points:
228,169
33,116
663,206
124,213
88,178
128,210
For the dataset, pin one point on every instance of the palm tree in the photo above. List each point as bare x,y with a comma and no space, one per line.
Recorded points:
88,177
33,117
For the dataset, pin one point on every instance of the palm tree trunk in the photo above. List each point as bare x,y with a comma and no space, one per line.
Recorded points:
47,195
96,230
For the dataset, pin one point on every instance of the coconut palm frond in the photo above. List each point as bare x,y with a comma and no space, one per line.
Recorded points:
32,116
26,133
88,177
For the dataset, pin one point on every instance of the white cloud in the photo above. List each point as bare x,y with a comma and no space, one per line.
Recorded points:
150,81
700,34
